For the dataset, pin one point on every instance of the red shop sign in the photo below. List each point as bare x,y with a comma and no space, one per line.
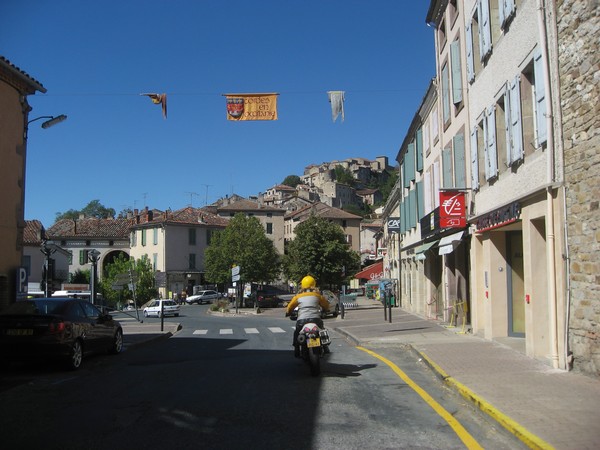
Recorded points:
452,209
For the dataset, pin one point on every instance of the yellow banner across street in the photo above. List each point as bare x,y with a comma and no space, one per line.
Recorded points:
251,106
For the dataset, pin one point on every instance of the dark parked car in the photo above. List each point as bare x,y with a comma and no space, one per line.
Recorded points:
263,298
57,328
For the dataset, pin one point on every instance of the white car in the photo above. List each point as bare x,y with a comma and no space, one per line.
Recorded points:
158,307
203,297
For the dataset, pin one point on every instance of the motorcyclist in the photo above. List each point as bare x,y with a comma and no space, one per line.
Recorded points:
309,302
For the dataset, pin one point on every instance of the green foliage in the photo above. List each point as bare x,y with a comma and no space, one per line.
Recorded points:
142,272
387,187
80,277
243,242
92,209
345,176
292,181
320,250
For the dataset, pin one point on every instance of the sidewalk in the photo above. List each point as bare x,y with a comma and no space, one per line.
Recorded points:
542,406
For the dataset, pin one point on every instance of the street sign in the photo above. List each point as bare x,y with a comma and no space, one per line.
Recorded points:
235,278
235,271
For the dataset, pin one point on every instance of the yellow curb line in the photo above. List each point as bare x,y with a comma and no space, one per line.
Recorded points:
460,431
528,438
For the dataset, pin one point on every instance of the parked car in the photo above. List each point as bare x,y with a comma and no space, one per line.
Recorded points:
334,305
263,298
57,328
202,297
165,307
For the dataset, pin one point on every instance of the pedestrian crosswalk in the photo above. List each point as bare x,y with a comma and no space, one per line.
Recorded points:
231,331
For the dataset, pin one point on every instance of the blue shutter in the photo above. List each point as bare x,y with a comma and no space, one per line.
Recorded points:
447,180
485,33
506,9
470,61
420,201
474,160
507,125
410,162
516,131
457,96
402,216
491,163
412,208
419,149
445,94
540,98
460,170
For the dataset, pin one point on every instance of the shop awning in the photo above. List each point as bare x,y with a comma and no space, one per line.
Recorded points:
449,243
373,272
421,249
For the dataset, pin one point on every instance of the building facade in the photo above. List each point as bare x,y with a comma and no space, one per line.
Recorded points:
174,242
15,86
578,29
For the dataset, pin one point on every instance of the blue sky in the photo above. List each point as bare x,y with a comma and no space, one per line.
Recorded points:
95,58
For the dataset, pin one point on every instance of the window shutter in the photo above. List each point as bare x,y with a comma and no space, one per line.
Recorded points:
457,96
436,184
516,131
486,27
507,125
412,208
491,157
540,98
427,193
445,94
419,149
501,15
420,201
470,62
480,30
474,160
458,144
410,162
402,216
447,167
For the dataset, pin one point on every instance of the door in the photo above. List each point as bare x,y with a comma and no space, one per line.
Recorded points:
515,288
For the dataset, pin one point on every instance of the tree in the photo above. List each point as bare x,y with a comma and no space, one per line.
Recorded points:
344,176
244,243
92,209
320,250
143,274
80,277
292,181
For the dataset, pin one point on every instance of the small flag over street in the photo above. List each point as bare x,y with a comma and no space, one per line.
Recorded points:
159,99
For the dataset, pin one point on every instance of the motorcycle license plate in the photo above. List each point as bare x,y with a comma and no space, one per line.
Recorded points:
314,342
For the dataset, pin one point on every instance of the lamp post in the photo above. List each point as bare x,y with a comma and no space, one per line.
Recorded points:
52,120
47,248
93,256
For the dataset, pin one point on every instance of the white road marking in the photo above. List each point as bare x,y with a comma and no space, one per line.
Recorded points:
251,330
276,330
200,331
225,331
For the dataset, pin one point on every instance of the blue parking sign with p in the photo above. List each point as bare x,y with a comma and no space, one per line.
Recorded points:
21,283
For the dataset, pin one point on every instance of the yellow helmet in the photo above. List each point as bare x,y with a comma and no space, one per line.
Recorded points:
308,282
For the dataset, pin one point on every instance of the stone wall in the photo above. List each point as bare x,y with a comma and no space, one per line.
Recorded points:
578,28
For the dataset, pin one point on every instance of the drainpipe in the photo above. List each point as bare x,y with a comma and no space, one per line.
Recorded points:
550,238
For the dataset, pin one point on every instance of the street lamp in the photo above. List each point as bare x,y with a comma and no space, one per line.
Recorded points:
47,248
94,257
52,120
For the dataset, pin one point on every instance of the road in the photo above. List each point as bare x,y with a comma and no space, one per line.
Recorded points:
232,382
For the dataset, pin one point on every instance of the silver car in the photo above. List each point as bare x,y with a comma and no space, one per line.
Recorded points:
162,307
334,304
202,297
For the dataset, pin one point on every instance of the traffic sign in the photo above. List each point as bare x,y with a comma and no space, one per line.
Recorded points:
235,278
235,271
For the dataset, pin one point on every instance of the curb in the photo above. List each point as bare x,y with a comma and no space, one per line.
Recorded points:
525,436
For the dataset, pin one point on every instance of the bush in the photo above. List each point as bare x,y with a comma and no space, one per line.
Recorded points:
220,305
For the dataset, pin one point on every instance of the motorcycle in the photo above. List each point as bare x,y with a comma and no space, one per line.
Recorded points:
314,343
